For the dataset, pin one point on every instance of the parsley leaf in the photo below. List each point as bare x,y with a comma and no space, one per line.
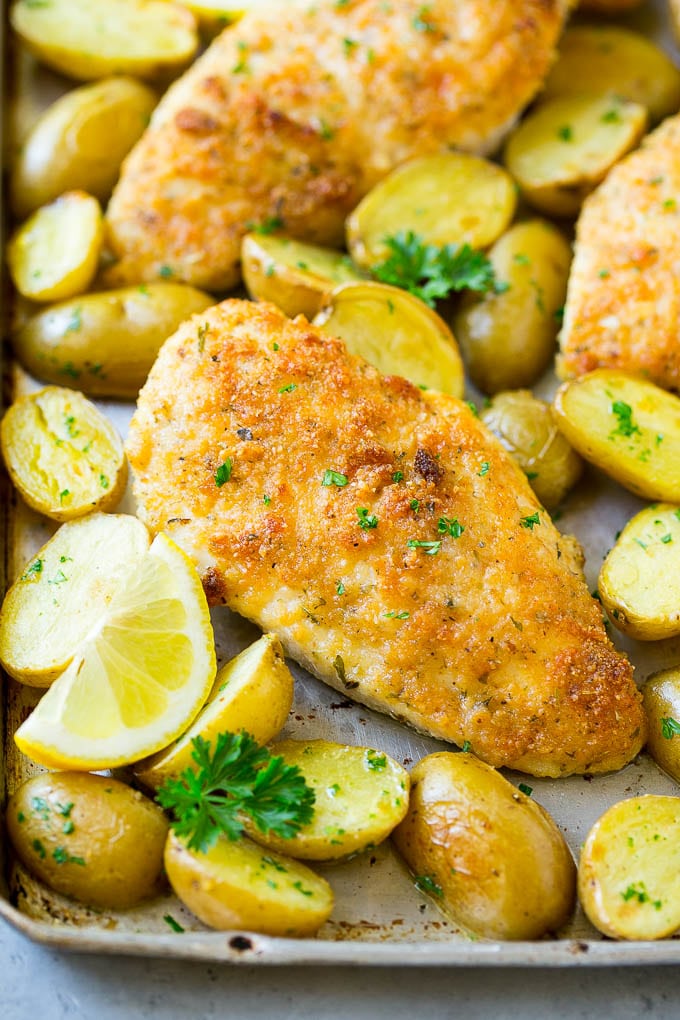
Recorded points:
223,473
430,272
669,727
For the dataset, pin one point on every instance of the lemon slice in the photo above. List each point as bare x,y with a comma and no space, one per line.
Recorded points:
140,676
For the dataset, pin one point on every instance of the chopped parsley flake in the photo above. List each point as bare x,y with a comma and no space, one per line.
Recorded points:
452,527
424,883
398,476
467,747
172,923
526,790
340,590
669,727
431,548
223,473
625,424
375,760
565,133
530,521
366,520
32,571
484,469
394,615
289,388
334,478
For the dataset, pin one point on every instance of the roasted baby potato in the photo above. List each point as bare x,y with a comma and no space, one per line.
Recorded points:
37,643
608,60
252,692
396,332
55,253
661,698
629,872
492,857
295,276
527,428
508,337
80,142
63,455
89,837
647,549
562,150
85,41
105,343
239,885
450,198
627,427
361,794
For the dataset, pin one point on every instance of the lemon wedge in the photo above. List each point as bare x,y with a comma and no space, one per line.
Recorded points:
139,677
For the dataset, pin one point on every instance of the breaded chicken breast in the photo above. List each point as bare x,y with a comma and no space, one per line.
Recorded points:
385,535
294,114
623,301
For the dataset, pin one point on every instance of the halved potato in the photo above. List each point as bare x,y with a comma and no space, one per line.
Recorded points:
661,699
252,692
238,885
508,337
527,428
105,343
294,275
54,255
647,549
65,458
450,198
490,855
87,40
609,60
37,641
562,150
629,873
396,332
361,794
80,142
627,427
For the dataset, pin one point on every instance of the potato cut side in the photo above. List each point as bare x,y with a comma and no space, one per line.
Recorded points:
562,150
507,336
361,795
627,427
396,332
629,872
253,692
238,885
527,428
661,699
452,198
55,254
488,854
86,40
105,343
65,458
294,275
609,60
79,569
80,142
647,550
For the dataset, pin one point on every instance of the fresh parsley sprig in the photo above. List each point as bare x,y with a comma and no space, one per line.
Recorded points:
239,779
432,273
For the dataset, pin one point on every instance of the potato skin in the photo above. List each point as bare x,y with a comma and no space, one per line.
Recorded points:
661,700
495,859
105,343
89,837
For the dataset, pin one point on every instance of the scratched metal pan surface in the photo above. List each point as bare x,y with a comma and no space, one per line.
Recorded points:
380,917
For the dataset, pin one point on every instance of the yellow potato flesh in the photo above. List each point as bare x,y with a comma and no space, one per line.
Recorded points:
61,593
86,41
566,146
89,837
629,872
491,856
80,142
295,276
452,198
627,427
612,60
361,795
252,692
396,332
238,885
63,455
637,601
661,699
55,254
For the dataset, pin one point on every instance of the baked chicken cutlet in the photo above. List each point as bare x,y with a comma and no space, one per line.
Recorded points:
385,535
293,114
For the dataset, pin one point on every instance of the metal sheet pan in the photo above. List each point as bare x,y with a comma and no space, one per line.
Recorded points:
380,918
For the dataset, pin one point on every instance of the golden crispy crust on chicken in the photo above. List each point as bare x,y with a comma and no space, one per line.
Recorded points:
296,113
431,585
623,302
